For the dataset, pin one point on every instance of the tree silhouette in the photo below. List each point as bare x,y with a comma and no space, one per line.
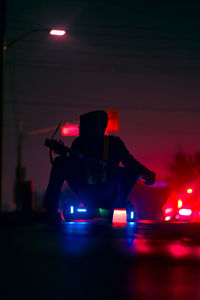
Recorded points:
184,170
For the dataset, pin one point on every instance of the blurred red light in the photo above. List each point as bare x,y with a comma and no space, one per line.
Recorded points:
189,191
178,250
70,130
168,210
113,125
113,120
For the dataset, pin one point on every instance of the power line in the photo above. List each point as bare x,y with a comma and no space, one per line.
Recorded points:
120,107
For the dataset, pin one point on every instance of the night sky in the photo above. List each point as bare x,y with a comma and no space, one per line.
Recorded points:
140,57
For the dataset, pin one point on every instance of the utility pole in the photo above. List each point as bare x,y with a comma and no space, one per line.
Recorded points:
4,47
2,40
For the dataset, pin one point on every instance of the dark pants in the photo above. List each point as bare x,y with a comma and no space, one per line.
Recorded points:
110,194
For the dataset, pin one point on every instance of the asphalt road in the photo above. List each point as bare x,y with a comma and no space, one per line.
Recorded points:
95,260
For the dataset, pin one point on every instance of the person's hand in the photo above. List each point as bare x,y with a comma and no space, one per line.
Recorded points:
149,178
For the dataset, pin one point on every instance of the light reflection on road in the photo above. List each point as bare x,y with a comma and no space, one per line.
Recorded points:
173,249
130,240
141,261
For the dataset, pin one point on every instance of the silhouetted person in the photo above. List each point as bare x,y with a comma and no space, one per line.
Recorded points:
94,184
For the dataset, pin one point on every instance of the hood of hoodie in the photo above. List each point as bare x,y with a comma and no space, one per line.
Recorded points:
93,124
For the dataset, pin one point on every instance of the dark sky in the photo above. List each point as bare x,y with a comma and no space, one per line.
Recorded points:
141,57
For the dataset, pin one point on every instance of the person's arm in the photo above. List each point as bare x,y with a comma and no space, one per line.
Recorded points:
129,161
76,148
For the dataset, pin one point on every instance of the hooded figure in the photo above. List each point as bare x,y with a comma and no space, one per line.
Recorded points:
95,183
93,124
91,142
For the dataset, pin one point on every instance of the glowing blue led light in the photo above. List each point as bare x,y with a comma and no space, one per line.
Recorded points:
132,214
81,209
132,223
71,209
80,223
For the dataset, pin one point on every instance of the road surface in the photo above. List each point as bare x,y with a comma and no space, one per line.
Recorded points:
96,260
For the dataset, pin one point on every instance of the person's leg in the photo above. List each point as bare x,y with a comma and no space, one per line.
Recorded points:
86,193
77,181
111,194
57,177
119,186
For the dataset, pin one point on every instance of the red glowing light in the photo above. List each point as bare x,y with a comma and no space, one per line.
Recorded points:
185,212
57,32
189,191
119,216
113,125
113,120
168,218
178,250
168,210
70,130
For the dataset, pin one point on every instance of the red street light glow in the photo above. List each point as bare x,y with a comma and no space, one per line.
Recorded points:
70,130
73,129
185,212
168,210
113,120
57,32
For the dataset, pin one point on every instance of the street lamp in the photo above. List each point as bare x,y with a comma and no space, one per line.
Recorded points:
57,32
53,32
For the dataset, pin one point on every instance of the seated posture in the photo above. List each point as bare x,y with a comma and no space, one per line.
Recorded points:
96,184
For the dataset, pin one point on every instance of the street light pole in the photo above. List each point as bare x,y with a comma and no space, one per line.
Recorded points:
2,38
50,31
3,49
